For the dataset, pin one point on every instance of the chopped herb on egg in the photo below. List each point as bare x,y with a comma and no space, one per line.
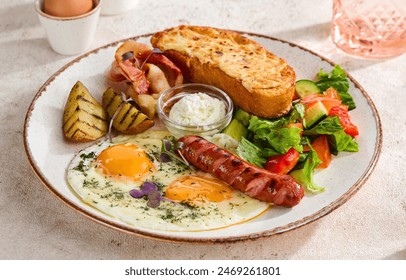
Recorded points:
188,204
194,215
93,183
145,208
81,167
168,215
90,155
150,156
232,205
118,195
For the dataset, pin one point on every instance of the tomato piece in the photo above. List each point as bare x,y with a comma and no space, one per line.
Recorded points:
312,98
295,96
306,148
320,145
330,98
328,101
282,164
332,93
298,125
342,113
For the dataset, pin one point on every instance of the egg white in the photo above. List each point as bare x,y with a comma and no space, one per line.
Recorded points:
111,195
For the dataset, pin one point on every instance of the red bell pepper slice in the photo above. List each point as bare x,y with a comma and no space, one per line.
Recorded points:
342,113
282,164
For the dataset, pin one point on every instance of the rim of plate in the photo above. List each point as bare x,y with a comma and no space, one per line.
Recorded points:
231,239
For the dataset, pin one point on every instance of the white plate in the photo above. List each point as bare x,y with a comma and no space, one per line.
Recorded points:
49,154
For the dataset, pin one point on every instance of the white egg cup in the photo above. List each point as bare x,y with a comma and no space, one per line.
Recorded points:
116,7
69,35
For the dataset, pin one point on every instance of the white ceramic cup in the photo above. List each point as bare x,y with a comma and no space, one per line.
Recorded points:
69,35
115,7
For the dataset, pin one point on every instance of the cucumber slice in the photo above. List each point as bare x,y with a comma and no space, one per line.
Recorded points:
306,87
314,114
236,130
242,116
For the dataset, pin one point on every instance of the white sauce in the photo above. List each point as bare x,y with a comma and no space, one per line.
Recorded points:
224,141
198,109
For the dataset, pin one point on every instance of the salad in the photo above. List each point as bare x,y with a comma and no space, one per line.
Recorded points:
317,127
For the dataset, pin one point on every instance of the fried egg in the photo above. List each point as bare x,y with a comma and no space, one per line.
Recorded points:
104,174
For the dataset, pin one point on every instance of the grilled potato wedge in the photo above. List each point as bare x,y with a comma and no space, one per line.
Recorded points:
129,119
145,102
84,119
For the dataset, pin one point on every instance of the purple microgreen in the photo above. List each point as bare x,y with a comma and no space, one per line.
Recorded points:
166,147
150,190
164,157
168,152
154,50
137,193
167,144
148,187
127,55
184,160
157,50
125,100
154,199
179,145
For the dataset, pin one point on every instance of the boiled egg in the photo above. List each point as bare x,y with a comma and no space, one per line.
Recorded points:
67,8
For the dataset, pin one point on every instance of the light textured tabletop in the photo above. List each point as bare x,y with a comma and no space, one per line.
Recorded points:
36,225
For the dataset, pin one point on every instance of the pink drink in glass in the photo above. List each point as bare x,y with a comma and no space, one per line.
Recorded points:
370,28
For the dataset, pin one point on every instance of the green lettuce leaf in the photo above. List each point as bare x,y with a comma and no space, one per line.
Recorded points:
275,133
339,140
329,125
342,142
281,139
304,175
251,153
338,80
295,115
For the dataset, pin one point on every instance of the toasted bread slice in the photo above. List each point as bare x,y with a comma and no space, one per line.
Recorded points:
255,79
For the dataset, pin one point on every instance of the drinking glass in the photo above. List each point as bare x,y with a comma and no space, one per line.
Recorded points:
370,28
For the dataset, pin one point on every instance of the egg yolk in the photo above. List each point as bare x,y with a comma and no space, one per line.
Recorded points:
125,160
200,189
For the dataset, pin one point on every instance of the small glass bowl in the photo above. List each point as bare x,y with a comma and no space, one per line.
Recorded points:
169,97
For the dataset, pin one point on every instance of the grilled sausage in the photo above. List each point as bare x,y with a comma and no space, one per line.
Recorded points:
281,190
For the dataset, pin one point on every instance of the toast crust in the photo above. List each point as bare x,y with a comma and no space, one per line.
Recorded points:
255,79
